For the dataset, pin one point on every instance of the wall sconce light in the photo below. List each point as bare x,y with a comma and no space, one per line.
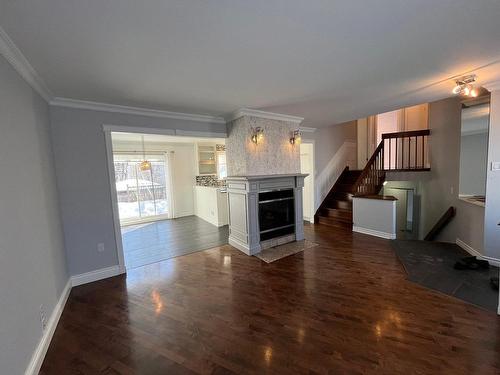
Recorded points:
464,86
257,135
296,137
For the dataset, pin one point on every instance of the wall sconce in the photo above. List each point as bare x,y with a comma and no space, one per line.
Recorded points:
296,137
257,135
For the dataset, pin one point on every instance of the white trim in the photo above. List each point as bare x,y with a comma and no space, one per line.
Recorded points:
15,57
310,216
40,351
103,273
114,200
136,129
306,129
262,114
492,86
115,108
199,133
376,233
474,252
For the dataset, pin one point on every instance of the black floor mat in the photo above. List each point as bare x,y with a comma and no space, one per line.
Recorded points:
430,264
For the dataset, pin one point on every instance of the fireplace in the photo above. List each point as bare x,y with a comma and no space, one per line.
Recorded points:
265,211
276,213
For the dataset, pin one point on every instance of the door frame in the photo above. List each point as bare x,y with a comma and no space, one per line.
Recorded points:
313,176
108,129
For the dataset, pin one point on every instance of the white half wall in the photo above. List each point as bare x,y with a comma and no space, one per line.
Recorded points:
376,217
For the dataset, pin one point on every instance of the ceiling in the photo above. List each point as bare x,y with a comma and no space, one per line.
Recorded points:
327,61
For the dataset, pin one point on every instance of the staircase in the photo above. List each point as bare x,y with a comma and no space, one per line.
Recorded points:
336,209
397,152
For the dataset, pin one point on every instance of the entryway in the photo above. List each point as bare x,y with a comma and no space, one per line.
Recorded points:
169,195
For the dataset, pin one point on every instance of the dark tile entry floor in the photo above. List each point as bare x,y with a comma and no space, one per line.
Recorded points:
153,242
431,264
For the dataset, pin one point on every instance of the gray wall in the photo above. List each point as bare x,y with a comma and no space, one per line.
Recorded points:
328,140
473,155
82,177
438,189
492,217
32,259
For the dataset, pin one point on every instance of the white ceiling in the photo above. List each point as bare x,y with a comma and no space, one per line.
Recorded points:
327,61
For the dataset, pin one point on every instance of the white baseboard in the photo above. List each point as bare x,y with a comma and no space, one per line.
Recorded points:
40,351
96,275
474,252
376,233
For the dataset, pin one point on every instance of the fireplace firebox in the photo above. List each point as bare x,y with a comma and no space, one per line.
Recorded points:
276,213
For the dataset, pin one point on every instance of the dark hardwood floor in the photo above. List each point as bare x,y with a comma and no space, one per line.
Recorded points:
344,307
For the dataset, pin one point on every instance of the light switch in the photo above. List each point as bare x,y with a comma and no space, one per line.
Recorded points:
495,166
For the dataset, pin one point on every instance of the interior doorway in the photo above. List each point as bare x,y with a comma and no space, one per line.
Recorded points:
169,195
307,166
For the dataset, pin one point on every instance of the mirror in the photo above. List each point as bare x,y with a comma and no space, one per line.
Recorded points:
474,148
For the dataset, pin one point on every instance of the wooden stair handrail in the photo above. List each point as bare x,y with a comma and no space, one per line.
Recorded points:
371,178
441,223
411,133
368,166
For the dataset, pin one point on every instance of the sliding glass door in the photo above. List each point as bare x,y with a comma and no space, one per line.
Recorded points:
142,195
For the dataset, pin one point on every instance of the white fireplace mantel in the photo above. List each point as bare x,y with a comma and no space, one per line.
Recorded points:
243,196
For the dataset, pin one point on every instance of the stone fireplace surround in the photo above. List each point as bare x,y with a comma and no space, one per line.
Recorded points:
271,165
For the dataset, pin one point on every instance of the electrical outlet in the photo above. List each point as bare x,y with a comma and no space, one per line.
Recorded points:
452,190
495,166
100,247
43,318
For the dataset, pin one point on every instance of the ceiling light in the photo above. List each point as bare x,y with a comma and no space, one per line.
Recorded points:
145,164
465,86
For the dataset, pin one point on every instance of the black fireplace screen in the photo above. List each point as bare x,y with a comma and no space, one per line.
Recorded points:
276,213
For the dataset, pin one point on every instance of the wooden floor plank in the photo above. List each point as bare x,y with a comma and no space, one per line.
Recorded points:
344,306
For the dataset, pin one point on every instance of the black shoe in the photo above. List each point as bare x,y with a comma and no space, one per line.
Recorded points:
471,263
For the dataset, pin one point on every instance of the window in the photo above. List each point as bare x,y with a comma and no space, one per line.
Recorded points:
141,194
221,165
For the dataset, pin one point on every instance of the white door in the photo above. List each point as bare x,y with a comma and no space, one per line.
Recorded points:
307,166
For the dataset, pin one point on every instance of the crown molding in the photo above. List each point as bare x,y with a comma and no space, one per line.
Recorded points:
306,129
115,108
19,62
262,114
492,86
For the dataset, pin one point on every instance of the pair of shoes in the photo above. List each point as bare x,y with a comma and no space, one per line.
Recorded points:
494,283
471,263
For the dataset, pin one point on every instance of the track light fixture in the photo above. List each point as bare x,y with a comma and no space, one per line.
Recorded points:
465,86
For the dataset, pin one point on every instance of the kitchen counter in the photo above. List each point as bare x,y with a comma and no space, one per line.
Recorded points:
210,204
